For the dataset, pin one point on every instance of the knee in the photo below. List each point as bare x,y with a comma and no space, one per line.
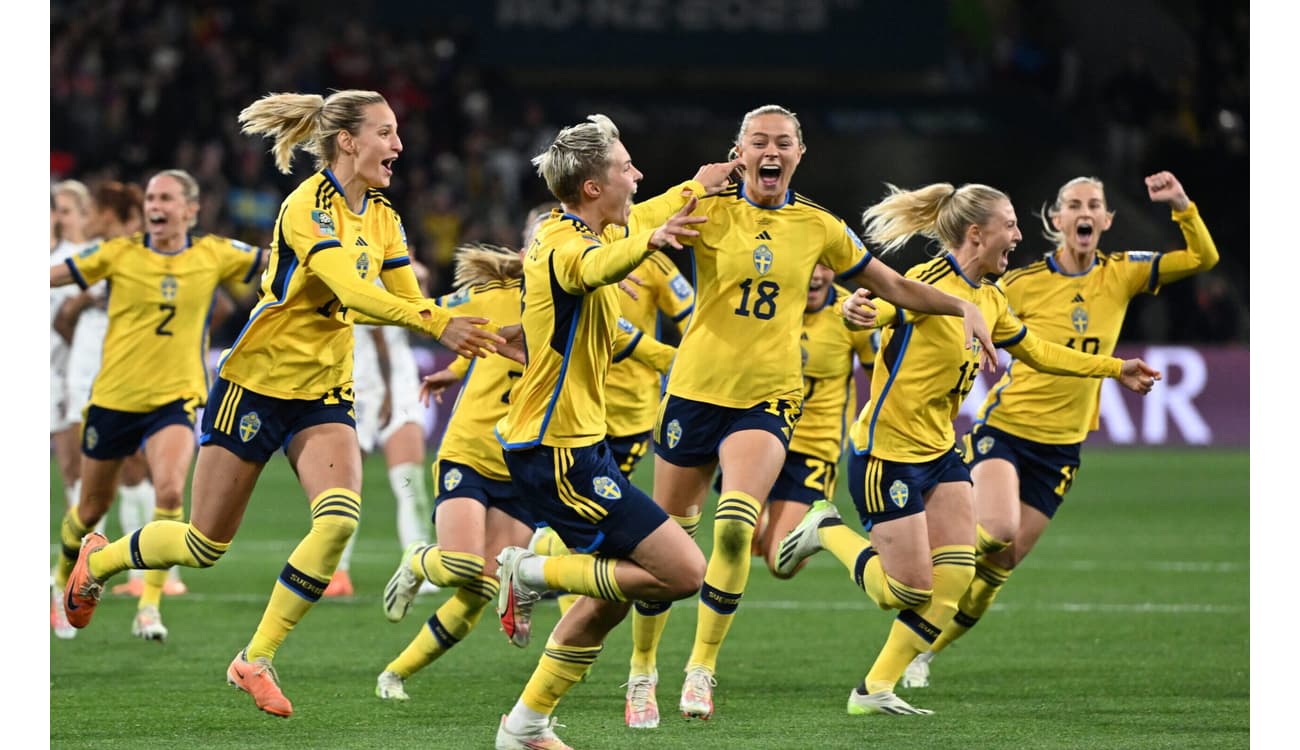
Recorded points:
689,575
336,513
204,550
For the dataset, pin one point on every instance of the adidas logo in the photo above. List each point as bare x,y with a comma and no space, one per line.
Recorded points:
1078,298
362,243
763,235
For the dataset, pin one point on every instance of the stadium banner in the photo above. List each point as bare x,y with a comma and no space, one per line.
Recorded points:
1203,400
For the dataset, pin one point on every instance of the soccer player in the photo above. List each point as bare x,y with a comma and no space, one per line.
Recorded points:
153,377
554,431
736,392
1024,449
71,205
286,382
912,491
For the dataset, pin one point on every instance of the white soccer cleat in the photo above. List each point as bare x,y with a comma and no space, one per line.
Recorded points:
402,587
642,710
917,674
515,598
63,629
391,687
148,624
697,694
540,737
884,702
803,542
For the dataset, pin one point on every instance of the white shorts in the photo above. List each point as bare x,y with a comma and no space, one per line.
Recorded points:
368,386
84,358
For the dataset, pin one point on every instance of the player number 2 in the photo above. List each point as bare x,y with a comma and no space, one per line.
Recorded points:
169,312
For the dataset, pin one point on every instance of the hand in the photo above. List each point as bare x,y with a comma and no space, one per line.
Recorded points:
1163,187
433,385
977,334
678,226
513,348
858,309
629,285
1137,376
715,177
464,336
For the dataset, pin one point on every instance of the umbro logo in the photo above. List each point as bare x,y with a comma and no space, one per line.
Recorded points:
1078,298
362,243
764,235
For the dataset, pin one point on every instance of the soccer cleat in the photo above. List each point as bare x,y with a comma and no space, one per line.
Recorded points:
803,542
515,599
401,589
340,585
540,738
642,710
59,618
82,592
148,624
917,674
697,694
258,679
391,687
174,586
884,702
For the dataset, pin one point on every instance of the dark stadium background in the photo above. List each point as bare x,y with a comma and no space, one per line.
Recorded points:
1019,95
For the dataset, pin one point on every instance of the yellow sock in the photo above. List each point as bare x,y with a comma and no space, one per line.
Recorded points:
583,574
449,625
650,618
335,514
856,553
988,544
550,544
984,587
560,668
725,577
70,533
151,595
446,568
160,544
914,631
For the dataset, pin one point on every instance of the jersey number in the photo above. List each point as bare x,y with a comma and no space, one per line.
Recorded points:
169,312
1089,345
1067,479
764,302
327,310
965,379
505,397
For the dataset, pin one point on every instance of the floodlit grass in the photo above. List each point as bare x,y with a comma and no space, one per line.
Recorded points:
1128,627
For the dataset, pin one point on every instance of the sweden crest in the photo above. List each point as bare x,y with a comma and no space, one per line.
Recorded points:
1079,319
674,433
168,287
363,265
984,446
606,488
249,424
898,493
762,259
92,438
451,480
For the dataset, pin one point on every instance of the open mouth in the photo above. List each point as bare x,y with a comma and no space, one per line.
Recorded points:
157,220
387,164
769,175
1083,232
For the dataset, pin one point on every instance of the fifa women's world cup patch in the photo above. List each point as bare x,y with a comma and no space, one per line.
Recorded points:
324,223
680,287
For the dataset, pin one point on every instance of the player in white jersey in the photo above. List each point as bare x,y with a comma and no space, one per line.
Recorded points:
70,202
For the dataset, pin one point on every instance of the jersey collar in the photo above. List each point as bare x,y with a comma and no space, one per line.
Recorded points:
1052,264
789,196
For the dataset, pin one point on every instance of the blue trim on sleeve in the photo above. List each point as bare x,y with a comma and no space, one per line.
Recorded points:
678,317
76,275
392,263
627,350
1013,340
857,267
324,245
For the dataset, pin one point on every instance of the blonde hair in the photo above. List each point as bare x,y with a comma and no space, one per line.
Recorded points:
307,121
767,109
189,187
1046,213
939,211
75,188
579,153
479,263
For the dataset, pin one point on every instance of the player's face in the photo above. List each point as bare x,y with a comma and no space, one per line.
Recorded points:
998,237
167,213
377,145
770,151
70,218
819,288
1083,216
616,192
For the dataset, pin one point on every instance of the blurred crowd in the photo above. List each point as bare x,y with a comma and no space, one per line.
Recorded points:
141,85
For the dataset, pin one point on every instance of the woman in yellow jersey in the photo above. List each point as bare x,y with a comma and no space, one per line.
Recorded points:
153,376
912,491
736,391
1024,449
285,384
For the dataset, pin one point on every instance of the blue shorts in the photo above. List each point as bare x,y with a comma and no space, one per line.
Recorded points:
461,480
884,490
803,479
628,451
254,427
581,494
688,433
108,434
1046,471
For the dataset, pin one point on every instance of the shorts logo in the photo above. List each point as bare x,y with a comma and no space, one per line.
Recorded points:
324,223
898,493
674,433
1079,319
606,488
168,287
249,424
984,446
681,287
92,438
762,259
451,480
363,265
